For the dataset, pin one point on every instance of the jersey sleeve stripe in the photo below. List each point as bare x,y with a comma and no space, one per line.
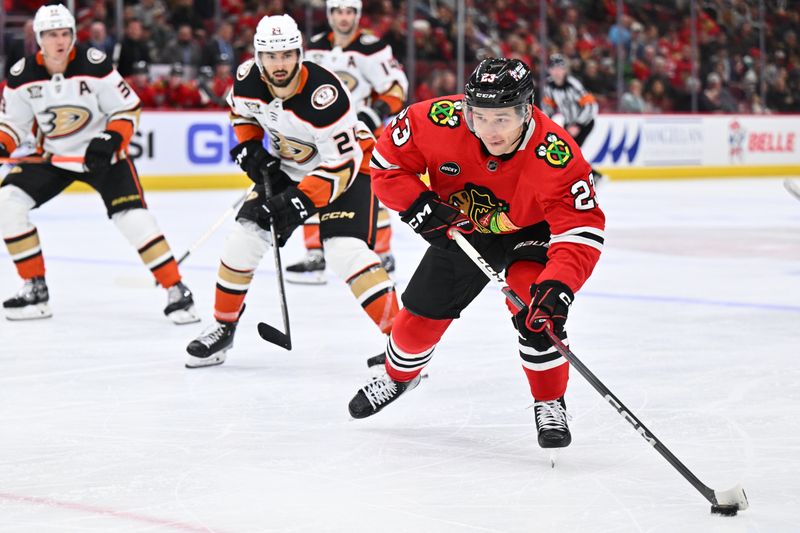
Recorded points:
380,162
582,235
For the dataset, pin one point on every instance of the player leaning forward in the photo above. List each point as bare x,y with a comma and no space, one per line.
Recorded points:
378,88
518,185
320,165
79,106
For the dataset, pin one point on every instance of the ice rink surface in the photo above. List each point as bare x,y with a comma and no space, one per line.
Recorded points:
692,318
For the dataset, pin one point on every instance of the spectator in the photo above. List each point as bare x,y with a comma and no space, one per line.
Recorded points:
183,13
632,101
99,38
180,94
221,44
139,80
146,10
184,49
133,49
716,98
161,34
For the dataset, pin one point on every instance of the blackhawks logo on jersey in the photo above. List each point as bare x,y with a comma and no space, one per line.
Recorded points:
487,211
445,113
556,152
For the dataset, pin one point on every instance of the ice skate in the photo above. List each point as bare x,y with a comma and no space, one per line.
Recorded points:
30,303
377,394
180,305
309,271
209,348
551,423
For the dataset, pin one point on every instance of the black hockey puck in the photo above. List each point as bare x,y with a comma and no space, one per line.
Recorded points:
725,510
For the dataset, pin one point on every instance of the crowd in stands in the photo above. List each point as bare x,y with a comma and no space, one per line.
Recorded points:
176,56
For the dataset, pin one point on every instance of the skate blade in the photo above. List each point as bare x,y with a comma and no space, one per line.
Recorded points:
553,457
29,312
184,316
306,278
200,362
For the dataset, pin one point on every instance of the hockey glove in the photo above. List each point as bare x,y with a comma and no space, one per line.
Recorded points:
550,301
101,149
432,218
251,156
4,151
373,116
287,211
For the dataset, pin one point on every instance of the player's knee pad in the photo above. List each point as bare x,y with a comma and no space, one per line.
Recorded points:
15,204
348,256
245,246
138,226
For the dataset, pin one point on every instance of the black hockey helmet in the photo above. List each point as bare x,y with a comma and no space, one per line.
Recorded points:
499,82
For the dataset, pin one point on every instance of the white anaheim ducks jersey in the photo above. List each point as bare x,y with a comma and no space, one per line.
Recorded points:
67,111
366,66
315,132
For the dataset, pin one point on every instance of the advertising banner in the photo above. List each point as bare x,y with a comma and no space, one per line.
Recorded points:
191,149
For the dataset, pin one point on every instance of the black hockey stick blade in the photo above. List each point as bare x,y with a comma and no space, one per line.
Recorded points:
273,335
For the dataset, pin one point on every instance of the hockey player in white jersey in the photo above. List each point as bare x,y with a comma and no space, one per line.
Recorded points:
378,86
317,163
79,107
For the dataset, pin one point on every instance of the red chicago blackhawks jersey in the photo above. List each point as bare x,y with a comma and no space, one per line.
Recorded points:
546,179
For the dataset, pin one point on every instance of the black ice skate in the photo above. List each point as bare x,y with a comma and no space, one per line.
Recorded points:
551,422
180,305
30,303
309,271
387,262
377,394
209,348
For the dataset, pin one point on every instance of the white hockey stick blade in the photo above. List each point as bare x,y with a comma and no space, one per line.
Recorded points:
792,187
734,496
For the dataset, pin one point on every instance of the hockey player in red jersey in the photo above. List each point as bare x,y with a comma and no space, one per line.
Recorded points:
519,188
317,162
78,106
378,87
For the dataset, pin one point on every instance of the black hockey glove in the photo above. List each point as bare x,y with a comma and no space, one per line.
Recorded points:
373,116
101,149
287,211
432,218
4,151
550,301
251,156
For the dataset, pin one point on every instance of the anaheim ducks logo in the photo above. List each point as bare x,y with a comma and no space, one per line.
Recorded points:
489,213
62,121
348,80
556,152
290,148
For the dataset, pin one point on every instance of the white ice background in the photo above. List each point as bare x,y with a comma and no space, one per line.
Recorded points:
692,318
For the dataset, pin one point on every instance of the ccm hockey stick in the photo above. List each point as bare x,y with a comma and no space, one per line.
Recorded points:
792,187
267,332
214,227
725,502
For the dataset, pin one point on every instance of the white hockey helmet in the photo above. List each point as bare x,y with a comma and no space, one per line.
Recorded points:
53,17
277,33
330,5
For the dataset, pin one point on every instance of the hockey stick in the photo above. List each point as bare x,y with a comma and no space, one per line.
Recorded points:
726,502
214,227
35,159
792,187
267,332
